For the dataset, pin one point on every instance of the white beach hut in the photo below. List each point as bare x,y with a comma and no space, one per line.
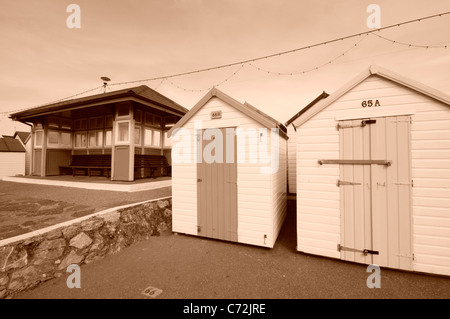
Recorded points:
292,145
373,174
229,172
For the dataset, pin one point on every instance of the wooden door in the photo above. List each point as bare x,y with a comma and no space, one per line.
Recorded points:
217,188
376,198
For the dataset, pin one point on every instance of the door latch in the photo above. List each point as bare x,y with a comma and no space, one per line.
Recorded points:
364,251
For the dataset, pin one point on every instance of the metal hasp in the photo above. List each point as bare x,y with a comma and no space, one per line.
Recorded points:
364,251
363,123
356,162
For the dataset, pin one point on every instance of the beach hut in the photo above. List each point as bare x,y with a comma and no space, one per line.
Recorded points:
25,140
12,157
229,172
292,145
373,174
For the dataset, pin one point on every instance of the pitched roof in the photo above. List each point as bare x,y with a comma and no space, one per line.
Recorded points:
323,95
141,92
10,144
24,136
373,70
245,108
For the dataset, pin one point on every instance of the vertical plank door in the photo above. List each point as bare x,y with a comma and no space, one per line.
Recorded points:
217,188
376,199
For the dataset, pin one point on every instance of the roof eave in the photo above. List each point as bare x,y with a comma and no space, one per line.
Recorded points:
373,70
214,92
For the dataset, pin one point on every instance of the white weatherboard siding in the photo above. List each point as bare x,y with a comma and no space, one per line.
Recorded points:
279,191
255,199
12,163
318,197
291,160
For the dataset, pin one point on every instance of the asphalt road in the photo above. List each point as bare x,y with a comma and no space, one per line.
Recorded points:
189,267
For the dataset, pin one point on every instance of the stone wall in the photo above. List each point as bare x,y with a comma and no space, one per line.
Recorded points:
29,261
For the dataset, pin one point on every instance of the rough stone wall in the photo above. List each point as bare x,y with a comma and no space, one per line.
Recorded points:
26,263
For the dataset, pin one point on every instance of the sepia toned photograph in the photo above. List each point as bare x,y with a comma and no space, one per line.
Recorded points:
230,157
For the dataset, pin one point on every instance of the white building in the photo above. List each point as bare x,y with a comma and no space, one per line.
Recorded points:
373,174
12,157
292,145
240,195
25,140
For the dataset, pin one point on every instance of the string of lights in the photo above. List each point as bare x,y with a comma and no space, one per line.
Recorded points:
314,68
248,61
443,46
288,51
160,83
344,53
56,101
208,88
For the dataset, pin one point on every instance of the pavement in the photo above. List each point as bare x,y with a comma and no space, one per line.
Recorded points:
28,207
190,267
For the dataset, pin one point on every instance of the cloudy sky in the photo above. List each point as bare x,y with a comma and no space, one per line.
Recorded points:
42,60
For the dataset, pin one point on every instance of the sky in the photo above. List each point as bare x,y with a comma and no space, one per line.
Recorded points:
43,60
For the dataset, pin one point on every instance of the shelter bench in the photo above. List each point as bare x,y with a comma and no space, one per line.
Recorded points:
148,165
88,163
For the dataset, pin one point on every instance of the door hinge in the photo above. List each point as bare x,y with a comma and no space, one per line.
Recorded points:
199,228
343,183
364,251
199,180
402,184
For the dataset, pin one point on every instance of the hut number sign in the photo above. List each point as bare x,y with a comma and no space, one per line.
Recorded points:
216,115
370,103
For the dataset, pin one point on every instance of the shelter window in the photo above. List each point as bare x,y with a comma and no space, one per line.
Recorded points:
148,118
59,139
95,139
108,138
148,137
39,137
66,124
109,121
158,121
123,109
80,140
53,122
53,138
138,116
156,138
137,135
66,139
92,123
80,124
170,121
167,140
123,132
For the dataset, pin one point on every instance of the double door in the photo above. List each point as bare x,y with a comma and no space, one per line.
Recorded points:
375,187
